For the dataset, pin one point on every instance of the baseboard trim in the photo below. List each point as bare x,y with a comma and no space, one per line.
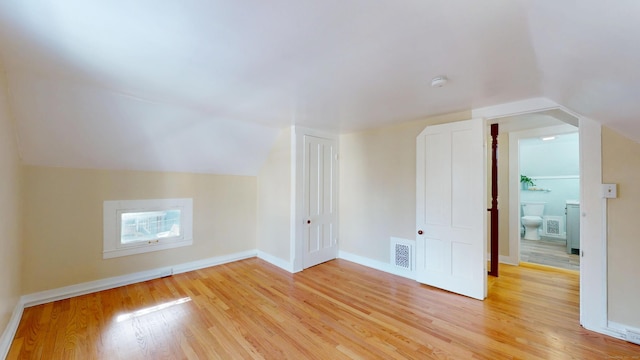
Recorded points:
375,264
66,292
213,261
10,331
508,260
276,261
619,331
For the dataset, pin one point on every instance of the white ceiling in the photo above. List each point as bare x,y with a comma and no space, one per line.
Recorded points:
204,85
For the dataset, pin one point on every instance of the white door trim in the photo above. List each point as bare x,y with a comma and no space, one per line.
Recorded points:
593,240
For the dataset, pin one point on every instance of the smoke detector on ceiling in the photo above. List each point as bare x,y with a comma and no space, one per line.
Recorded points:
439,81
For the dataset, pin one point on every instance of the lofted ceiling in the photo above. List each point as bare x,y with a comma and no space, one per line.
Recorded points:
205,85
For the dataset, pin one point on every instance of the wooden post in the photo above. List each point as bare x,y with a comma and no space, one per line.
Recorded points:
495,252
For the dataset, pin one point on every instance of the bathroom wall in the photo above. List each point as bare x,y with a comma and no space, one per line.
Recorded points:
554,165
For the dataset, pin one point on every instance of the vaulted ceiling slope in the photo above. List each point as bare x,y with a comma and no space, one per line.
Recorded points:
204,85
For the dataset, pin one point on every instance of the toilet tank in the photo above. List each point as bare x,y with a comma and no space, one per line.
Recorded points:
531,208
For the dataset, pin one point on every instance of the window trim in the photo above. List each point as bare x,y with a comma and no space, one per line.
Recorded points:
112,211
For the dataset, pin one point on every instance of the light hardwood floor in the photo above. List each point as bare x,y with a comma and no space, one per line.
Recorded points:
337,310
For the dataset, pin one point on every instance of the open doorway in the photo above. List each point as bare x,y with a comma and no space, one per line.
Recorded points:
552,169
593,280
549,172
544,175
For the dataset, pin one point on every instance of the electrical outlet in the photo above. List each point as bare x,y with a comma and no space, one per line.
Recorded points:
633,337
609,191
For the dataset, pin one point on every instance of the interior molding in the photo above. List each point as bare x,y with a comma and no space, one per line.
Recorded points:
516,108
593,229
10,330
213,261
66,292
375,264
509,260
619,331
276,261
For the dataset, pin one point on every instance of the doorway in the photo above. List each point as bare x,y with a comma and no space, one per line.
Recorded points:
544,175
593,264
550,185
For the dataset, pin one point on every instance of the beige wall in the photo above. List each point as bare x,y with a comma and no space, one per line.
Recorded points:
621,165
274,200
10,187
378,186
63,221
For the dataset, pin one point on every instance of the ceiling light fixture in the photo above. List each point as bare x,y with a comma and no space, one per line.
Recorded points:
439,81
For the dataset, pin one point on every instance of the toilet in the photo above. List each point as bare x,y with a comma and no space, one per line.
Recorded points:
532,219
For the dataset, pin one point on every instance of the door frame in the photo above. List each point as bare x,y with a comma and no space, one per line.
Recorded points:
593,237
298,217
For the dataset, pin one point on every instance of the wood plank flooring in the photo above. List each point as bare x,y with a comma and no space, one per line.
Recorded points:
550,252
337,310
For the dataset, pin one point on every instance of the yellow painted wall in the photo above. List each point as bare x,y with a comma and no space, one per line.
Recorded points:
378,186
621,165
274,200
63,221
10,188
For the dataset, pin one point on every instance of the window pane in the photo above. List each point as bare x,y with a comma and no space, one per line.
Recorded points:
149,225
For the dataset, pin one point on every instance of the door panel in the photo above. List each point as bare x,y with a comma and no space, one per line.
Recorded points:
320,237
450,208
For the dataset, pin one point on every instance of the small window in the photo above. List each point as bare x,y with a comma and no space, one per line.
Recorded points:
137,226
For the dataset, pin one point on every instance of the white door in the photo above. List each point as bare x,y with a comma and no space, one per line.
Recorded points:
319,202
451,208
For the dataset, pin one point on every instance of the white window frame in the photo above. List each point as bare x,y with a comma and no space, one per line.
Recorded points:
112,211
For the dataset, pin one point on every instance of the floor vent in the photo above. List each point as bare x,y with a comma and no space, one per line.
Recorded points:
553,226
402,254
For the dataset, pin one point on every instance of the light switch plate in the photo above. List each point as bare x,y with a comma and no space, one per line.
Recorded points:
609,191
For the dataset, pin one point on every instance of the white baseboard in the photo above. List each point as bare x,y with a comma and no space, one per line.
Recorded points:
619,331
505,259
10,330
508,260
66,292
283,264
375,264
213,261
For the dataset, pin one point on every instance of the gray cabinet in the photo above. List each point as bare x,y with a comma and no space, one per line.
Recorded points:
573,227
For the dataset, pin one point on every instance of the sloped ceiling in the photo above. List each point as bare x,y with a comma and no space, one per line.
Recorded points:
205,86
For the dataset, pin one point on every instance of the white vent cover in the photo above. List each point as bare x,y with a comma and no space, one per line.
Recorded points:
553,226
402,254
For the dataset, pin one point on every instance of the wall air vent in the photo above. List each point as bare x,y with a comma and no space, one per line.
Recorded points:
402,254
553,226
